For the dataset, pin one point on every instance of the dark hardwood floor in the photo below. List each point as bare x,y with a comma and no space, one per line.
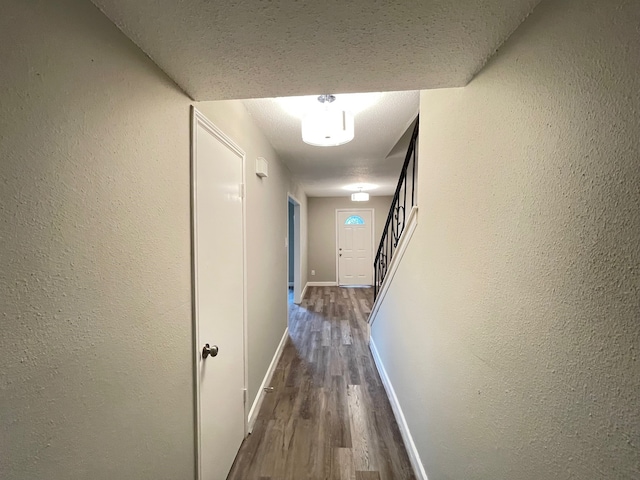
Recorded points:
328,416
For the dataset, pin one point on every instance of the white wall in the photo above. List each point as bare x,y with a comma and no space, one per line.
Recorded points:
95,344
511,331
267,211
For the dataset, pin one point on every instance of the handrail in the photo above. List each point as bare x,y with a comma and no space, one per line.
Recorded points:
394,226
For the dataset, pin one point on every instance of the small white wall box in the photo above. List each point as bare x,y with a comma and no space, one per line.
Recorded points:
262,167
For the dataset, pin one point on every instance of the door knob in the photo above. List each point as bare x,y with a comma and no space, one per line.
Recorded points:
207,350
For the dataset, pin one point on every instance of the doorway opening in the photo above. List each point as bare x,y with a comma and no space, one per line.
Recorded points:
294,275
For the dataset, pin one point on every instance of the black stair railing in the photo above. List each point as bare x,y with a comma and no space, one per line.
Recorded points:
403,200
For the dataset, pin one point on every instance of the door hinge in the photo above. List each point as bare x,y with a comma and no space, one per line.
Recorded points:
244,395
241,190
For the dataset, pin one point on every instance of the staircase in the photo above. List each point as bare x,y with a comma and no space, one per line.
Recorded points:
402,207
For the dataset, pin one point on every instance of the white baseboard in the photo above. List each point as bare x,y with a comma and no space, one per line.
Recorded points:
321,284
412,223
414,456
304,292
257,403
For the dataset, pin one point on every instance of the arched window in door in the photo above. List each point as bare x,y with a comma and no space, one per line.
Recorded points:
354,220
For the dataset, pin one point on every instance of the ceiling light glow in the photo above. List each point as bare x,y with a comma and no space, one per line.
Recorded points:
360,186
298,107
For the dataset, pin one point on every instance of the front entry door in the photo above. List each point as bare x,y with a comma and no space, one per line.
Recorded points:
355,259
217,176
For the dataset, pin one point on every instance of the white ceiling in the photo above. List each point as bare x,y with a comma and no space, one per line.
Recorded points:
247,49
380,121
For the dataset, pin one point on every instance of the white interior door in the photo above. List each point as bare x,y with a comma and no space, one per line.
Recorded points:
355,247
219,297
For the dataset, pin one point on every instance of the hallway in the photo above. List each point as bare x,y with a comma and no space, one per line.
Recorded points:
328,416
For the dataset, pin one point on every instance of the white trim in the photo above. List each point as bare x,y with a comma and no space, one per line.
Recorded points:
373,231
198,119
257,403
245,286
321,284
412,451
293,197
412,223
195,115
304,292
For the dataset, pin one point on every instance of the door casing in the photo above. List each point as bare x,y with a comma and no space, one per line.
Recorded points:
297,273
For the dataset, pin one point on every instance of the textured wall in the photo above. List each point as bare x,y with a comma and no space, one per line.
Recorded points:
266,204
511,332
322,231
95,343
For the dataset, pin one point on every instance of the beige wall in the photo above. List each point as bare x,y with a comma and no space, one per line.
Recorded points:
511,331
95,344
267,207
322,231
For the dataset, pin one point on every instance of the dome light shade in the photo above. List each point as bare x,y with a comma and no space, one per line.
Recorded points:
328,126
360,197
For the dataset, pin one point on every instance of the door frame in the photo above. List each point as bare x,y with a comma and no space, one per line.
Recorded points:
373,231
198,119
297,264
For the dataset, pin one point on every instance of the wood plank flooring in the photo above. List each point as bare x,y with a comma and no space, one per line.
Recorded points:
328,417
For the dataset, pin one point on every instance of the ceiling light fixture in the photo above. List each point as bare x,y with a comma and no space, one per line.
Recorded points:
360,196
328,127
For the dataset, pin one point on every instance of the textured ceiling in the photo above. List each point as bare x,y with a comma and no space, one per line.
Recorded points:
260,48
380,121
274,48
